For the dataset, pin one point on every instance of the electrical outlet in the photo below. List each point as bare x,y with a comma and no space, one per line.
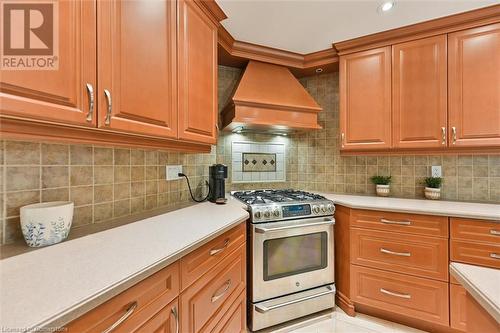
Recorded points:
436,171
172,171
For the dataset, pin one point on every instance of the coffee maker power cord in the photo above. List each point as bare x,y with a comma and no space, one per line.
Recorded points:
191,192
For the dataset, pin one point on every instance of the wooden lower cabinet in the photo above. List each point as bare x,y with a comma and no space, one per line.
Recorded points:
478,319
458,309
215,302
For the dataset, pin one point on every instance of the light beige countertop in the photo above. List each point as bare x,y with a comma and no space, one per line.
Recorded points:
419,206
51,286
481,283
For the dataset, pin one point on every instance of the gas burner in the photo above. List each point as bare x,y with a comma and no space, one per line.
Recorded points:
275,196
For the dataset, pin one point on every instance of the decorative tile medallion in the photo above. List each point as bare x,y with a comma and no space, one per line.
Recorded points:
254,162
259,162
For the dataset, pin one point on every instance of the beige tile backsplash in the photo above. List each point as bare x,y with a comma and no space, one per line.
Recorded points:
107,182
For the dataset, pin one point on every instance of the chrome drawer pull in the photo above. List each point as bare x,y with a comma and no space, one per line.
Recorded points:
395,222
391,293
454,135
90,91
263,309
443,134
495,232
176,317
127,314
215,251
402,254
216,297
107,120
495,255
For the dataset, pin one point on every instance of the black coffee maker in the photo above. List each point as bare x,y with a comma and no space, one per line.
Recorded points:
217,174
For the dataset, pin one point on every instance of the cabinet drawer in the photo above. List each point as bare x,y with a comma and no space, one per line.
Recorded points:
165,320
475,230
458,309
475,253
425,225
204,300
410,296
409,254
150,295
200,261
233,317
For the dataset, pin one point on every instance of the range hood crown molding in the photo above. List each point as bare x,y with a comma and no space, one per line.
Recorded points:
269,97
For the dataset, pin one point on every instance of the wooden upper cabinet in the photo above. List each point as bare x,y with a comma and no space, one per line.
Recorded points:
58,95
197,54
419,96
365,100
474,87
137,67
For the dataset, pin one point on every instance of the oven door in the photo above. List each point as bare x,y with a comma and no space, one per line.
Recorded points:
291,256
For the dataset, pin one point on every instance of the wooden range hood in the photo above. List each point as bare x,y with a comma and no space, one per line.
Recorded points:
269,98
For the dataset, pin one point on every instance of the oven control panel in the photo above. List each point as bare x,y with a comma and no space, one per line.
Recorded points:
267,213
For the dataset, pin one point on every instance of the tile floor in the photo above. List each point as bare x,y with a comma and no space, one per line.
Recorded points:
339,322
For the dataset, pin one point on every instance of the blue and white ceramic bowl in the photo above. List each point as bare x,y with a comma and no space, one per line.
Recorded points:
46,223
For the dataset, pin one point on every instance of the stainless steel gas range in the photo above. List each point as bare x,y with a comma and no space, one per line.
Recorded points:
291,257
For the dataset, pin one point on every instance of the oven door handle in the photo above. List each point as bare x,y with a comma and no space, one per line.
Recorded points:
325,221
263,309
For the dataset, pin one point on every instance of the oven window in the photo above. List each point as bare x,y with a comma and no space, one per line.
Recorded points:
294,255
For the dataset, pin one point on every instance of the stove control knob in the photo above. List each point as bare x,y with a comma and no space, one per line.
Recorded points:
267,214
330,208
323,208
257,215
316,209
276,212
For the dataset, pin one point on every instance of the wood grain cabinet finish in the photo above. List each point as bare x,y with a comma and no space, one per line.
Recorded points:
410,296
475,230
478,319
416,224
137,67
474,87
204,300
475,253
58,95
365,100
419,93
458,307
195,264
143,301
197,70
234,319
408,254
165,320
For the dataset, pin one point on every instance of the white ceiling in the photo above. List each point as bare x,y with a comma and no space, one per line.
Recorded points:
306,26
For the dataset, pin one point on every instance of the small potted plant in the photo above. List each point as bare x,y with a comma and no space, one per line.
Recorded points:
383,186
433,187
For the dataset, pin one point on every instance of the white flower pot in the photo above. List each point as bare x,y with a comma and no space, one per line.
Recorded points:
432,193
46,223
383,190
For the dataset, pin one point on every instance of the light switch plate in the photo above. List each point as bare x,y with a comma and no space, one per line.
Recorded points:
172,171
436,171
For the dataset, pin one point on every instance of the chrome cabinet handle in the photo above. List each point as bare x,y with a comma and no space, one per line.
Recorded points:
263,309
495,255
176,317
127,314
90,92
495,232
216,297
454,135
107,121
386,221
263,230
215,251
342,139
401,254
391,293
443,135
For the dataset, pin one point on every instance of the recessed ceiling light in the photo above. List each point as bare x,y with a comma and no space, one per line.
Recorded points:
386,6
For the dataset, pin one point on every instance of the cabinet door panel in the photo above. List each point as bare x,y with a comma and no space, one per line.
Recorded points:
197,53
474,86
137,50
365,99
419,93
58,95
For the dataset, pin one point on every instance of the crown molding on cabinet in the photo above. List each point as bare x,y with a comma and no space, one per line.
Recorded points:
213,9
236,53
437,26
